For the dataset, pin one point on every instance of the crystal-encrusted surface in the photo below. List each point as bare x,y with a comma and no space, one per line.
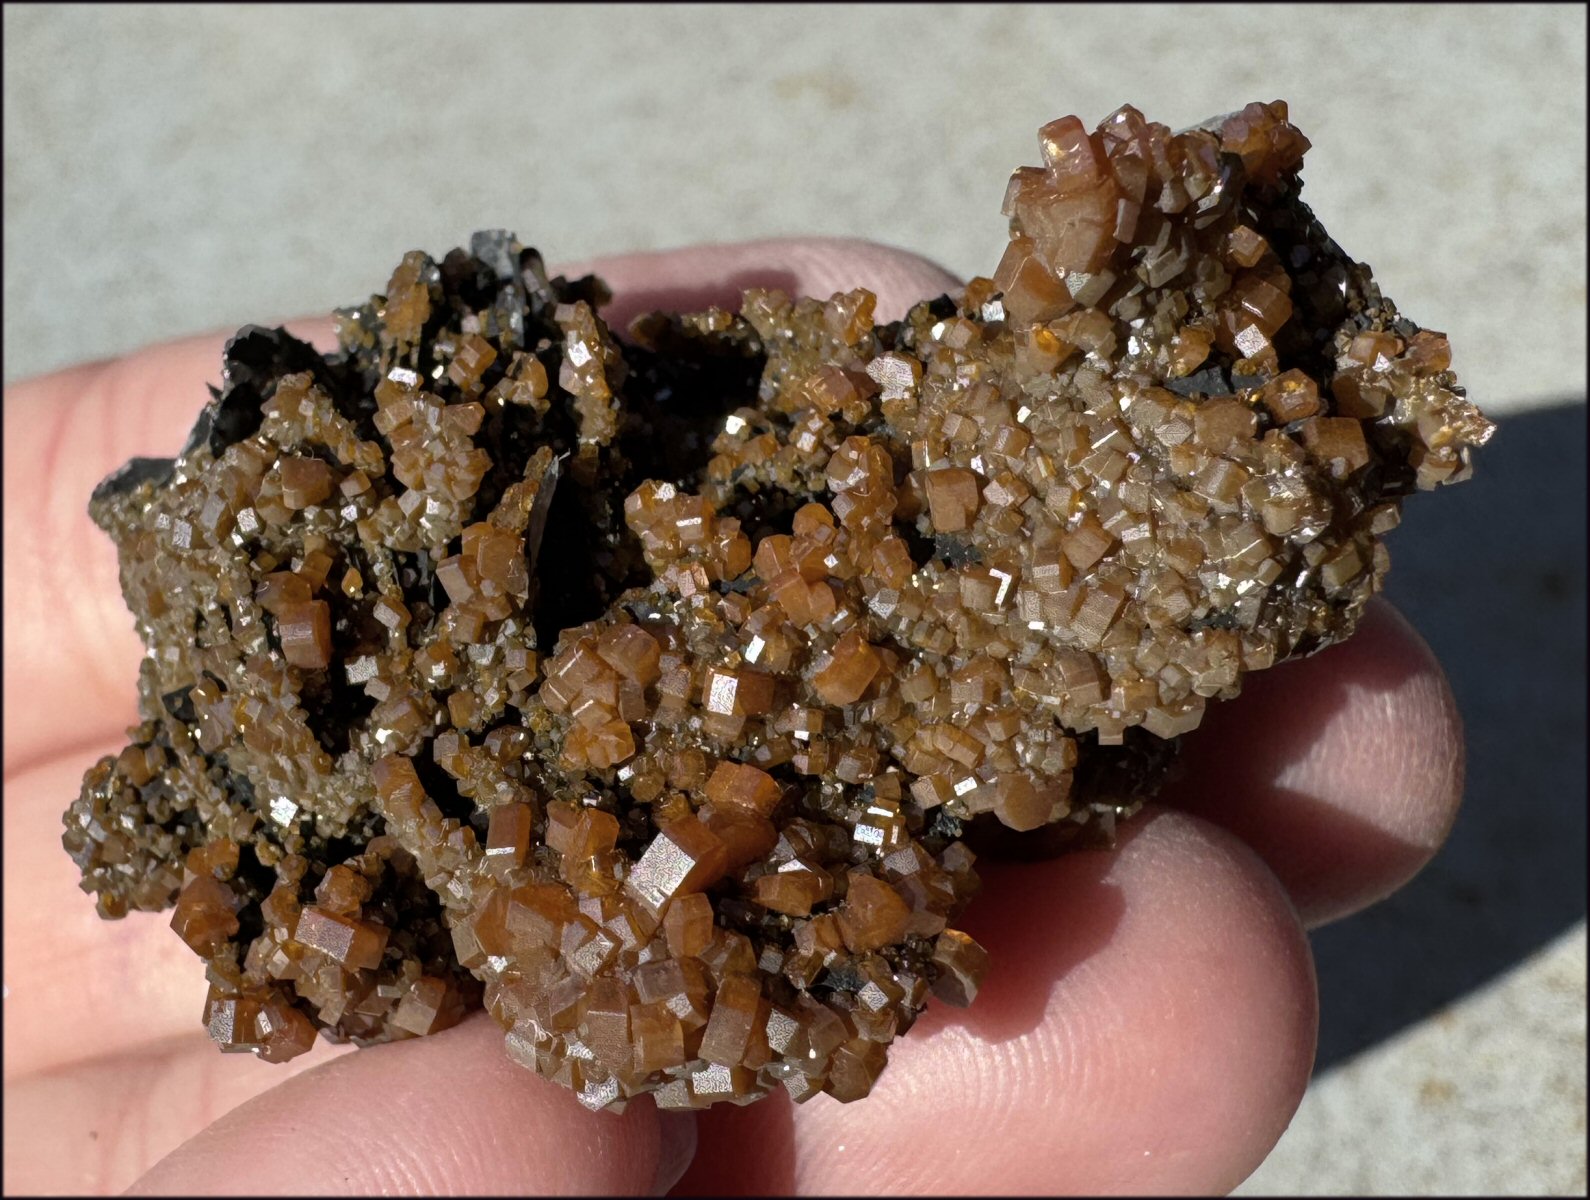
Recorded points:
644,689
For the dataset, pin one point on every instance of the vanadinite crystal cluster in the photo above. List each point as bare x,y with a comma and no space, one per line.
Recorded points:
645,688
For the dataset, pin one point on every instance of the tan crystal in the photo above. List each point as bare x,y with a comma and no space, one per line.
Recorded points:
305,634
952,498
852,665
206,915
743,786
684,857
356,945
873,915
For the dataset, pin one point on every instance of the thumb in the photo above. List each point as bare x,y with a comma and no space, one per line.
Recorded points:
449,1114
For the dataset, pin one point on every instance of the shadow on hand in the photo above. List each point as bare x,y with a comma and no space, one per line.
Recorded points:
1229,772
768,1125
1030,946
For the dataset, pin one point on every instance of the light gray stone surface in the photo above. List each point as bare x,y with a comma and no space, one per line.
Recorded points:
1486,1097
172,170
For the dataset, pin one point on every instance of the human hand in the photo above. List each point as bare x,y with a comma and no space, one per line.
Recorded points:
1148,1022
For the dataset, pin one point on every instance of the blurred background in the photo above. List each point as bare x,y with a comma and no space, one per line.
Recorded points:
172,170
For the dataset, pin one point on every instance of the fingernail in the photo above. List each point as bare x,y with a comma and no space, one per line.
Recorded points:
676,1147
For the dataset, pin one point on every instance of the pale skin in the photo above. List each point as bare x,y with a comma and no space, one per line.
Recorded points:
1148,1024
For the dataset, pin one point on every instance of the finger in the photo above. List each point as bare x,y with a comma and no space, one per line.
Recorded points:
78,987
1147,1026
448,1114
94,1127
71,652
701,276
1344,770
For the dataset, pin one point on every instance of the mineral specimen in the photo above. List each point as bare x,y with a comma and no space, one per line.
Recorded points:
645,689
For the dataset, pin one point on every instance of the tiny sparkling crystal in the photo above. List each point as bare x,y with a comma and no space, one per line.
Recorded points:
646,690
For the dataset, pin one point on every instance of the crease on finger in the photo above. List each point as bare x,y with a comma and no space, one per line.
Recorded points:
94,1126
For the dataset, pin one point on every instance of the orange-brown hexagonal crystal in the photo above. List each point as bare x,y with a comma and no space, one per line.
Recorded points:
684,857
